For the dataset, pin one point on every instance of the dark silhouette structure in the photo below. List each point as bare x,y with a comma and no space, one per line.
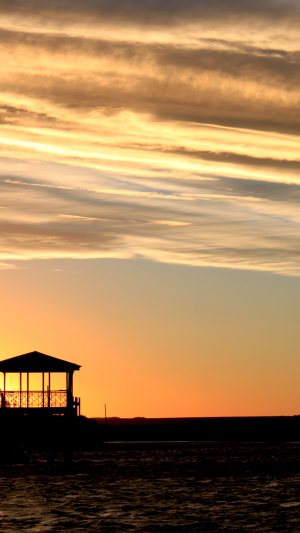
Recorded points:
46,400
44,420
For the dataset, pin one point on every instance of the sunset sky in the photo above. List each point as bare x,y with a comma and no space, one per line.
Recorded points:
149,200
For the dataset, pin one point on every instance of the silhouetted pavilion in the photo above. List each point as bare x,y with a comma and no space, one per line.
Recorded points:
52,401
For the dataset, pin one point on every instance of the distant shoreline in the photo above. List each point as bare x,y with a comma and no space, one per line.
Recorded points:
246,429
141,420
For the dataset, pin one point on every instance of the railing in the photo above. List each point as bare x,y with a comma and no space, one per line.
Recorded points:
24,399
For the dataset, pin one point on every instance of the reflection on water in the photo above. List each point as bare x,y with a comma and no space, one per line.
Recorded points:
177,487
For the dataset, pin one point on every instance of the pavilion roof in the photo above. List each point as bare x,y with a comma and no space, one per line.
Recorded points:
36,362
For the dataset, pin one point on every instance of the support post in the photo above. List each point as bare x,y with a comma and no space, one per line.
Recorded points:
4,389
43,380
20,389
49,389
70,390
71,382
27,390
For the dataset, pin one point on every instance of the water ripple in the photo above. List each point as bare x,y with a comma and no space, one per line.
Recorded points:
156,488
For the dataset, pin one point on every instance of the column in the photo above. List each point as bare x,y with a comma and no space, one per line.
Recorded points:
71,382
20,390
4,389
27,390
70,390
49,389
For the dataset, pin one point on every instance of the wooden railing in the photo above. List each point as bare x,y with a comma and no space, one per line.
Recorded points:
34,399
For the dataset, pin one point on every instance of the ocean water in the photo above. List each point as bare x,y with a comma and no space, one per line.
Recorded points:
158,488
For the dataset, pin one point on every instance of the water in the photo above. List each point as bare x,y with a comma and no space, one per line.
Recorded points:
159,488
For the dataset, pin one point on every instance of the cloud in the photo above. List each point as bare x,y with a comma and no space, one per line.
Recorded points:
151,11
167,130
8,266
213,230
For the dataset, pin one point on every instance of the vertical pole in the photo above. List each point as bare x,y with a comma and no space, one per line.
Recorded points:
70,391
105,413
43,382
4,389
49,389
71,383
67,387
20,389
27,390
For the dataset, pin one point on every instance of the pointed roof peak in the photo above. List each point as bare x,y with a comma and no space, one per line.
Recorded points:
36,362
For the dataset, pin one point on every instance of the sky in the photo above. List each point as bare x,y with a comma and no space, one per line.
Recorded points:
149,201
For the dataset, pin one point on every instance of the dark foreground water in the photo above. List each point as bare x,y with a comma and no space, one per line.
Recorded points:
177,487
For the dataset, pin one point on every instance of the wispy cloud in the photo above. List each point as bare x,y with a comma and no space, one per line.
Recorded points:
8,266
168,130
